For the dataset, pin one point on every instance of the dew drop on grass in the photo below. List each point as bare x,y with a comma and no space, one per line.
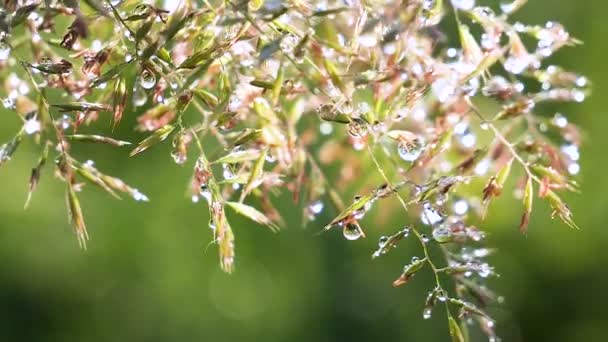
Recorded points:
426,313
382,241
464,5
316,207
139,97
147,79
5,51
429,215
442,234
410,151
352,231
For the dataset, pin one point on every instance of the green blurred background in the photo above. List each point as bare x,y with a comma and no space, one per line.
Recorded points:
148,274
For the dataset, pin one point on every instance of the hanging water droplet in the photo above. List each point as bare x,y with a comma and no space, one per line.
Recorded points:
424,238
464,5
8,103
508,7
574,168
559,120
461,207
410,151
205,193
314,209
138,196
442,234
270,158
484,270
406,232
178,157
475,234
427,312
212,224
5,51
441,198
352,231
468,139
31,126
227,172
484,126
441,296
429,215
382,241
139,97
326,128
357,128
147,79
571,151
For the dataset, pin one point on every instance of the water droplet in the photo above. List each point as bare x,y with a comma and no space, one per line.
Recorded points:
464,4
406,232
178,157
357,128
227,172
484,126
571,151
442,234
5,51
8,103
518,64
574,168
270,158
429,215
461,207
581,81
326,128
468,139
139,97
31,126
475,234
424,238
212,224
508,7
352,231
138,196
484,270
410,151
426,313
316,207
382,241
559,120
578,95
147,79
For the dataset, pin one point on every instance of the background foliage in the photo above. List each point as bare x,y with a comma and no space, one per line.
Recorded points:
147,274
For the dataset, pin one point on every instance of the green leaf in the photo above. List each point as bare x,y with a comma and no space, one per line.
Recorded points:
109,75
256,173
82,107
156,137
239,156
455,331
92,138
252,214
